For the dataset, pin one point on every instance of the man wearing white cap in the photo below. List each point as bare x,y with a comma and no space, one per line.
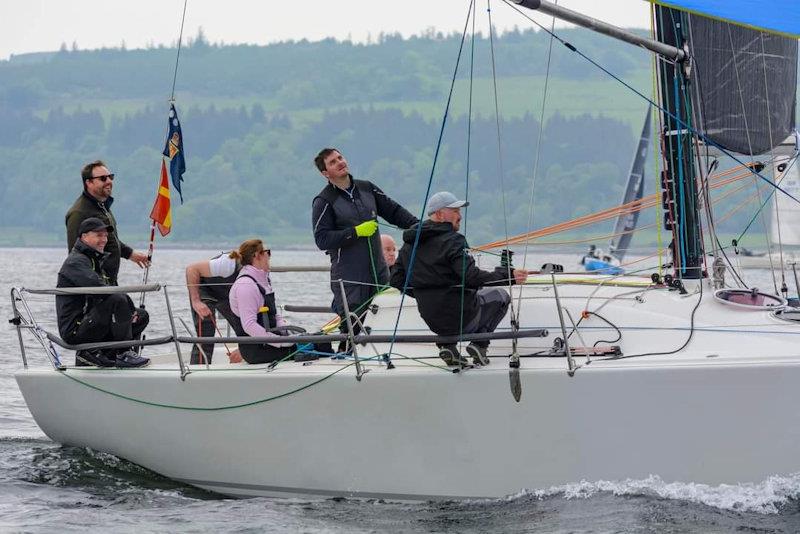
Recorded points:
442,262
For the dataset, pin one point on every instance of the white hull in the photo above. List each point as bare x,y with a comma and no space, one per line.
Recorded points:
723,410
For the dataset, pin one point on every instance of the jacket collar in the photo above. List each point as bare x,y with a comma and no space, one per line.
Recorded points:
106,203
85,249
349,189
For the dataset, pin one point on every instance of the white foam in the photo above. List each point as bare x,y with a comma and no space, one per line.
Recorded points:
765,497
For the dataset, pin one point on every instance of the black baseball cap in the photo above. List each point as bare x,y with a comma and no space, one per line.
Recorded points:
93,223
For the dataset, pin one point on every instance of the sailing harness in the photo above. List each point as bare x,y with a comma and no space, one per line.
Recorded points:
267,315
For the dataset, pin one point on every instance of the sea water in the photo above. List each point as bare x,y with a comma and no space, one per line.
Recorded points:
45,487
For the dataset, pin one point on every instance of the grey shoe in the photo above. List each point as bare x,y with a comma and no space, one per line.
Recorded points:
129,358
451,356
478,354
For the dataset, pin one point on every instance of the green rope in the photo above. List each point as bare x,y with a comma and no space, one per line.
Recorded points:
198,409
379,287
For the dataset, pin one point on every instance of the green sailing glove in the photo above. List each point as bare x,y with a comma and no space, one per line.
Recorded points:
366,228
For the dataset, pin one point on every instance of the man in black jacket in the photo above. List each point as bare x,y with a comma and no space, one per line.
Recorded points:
95,318
344,218
441,263
95,201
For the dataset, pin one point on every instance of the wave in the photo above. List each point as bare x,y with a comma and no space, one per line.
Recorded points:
766,497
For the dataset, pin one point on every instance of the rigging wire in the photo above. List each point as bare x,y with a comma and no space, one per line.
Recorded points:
178,55
466,181
537,157
772,152
750,151
514,316
415,246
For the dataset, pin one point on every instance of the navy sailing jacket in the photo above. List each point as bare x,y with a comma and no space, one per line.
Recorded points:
335,213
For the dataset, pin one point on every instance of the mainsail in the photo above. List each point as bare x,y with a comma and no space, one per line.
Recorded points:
745,84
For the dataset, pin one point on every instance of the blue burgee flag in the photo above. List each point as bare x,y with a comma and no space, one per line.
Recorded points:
173,149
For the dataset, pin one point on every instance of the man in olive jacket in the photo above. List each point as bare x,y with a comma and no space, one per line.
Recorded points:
95,201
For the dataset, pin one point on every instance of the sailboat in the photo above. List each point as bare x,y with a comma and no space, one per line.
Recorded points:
595,261
603,378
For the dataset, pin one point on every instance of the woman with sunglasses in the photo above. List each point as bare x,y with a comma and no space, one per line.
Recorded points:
252,300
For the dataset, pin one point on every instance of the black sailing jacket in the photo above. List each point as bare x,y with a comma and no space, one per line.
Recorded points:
335,213
441,258
82,268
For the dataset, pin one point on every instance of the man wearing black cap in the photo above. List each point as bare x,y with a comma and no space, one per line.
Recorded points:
95,318
442,265
95,201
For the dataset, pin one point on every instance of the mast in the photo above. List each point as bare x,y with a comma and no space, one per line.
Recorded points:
678,184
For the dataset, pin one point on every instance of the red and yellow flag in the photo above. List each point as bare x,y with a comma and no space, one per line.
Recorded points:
161,213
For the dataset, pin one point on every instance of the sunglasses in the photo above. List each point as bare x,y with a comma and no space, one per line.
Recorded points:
104,177
268,252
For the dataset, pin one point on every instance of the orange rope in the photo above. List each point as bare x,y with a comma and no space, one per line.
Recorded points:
718,180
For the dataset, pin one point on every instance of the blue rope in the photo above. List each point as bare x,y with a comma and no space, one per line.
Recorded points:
430,182
681,124
682,234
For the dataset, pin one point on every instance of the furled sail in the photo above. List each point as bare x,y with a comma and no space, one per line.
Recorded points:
745,84
626,223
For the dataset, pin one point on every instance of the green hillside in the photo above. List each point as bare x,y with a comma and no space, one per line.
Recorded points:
255,116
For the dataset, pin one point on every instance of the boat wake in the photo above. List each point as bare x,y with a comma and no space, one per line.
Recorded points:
766,497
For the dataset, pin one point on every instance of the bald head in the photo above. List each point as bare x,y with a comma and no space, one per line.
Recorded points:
389,248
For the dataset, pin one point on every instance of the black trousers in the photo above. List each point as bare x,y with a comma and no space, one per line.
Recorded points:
264,353
112,319
205,327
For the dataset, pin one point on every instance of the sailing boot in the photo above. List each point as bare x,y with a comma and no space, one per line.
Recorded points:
451,356
93,357
478,353
129,358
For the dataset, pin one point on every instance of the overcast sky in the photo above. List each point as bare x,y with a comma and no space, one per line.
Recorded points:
42,25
